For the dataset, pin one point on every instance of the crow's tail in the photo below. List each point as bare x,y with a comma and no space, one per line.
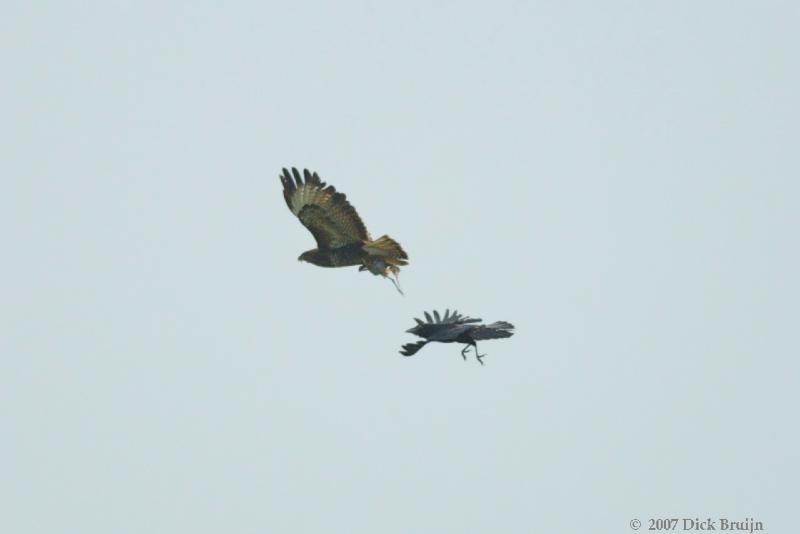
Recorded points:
496,330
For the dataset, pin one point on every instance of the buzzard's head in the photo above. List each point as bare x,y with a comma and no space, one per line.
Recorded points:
316,257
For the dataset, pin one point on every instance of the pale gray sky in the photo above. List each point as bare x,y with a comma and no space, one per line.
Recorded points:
617,179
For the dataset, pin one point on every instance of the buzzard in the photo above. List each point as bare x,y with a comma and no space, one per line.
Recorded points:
342,239
455,328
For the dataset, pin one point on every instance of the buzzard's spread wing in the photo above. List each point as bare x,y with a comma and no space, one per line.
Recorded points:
325,212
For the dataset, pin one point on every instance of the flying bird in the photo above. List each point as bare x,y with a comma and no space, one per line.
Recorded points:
342,239
455,328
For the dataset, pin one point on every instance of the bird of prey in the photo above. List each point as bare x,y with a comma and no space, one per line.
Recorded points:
455,328
342,239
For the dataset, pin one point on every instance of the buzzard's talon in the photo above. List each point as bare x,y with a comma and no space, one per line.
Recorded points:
396,279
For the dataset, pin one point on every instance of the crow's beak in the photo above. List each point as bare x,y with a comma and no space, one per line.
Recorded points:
410,331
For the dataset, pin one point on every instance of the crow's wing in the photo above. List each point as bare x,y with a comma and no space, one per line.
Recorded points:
447,318
448,332
496,330
327,214
409,349
461,319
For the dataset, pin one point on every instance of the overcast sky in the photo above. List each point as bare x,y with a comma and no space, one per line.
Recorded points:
617,179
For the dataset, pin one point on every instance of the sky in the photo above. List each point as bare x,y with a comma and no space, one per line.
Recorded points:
617,179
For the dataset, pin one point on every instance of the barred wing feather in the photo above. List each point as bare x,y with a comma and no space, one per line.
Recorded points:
326,213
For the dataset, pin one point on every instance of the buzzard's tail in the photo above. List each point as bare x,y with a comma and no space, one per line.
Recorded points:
409,349
389,249
496,330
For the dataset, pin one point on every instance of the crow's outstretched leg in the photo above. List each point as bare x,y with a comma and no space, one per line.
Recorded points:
478,356
464,352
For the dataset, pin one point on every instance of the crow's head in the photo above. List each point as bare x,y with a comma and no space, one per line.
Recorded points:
421,329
